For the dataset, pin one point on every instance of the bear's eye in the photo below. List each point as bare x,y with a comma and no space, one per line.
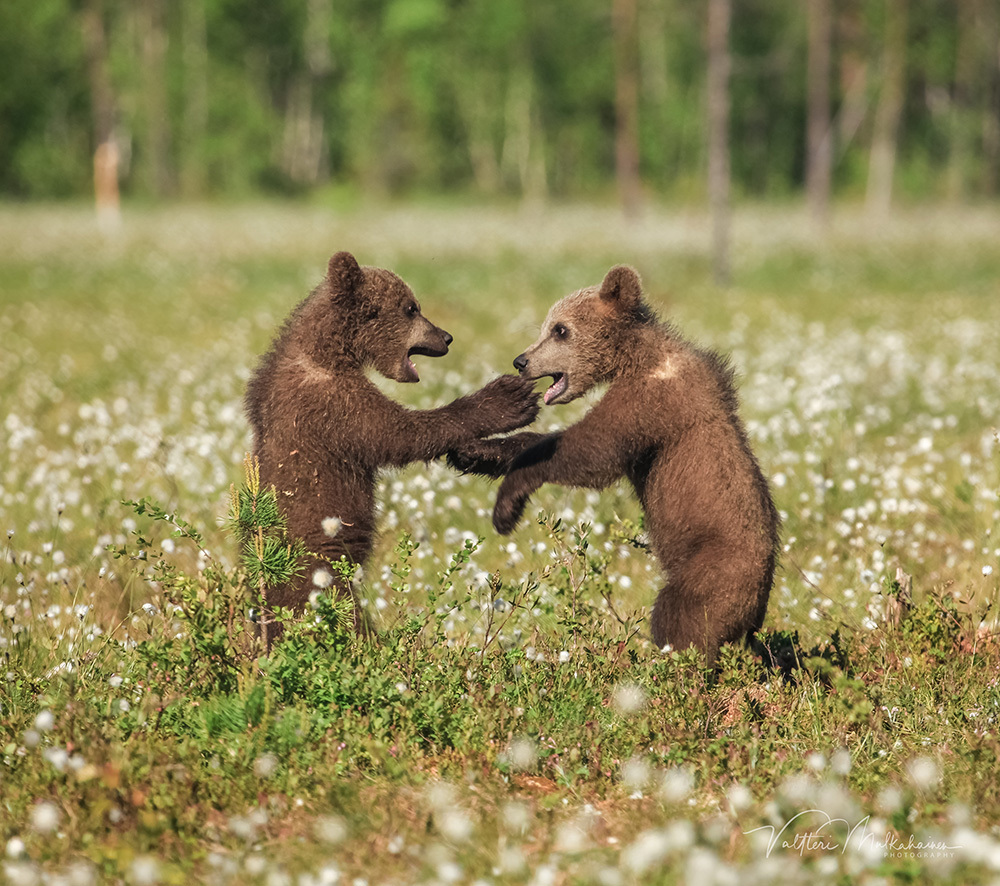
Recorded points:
560,331
412,310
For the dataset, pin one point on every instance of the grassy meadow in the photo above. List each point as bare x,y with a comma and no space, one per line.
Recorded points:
511,723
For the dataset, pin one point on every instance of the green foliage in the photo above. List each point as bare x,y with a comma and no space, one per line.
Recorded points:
423,95
268,555
508,721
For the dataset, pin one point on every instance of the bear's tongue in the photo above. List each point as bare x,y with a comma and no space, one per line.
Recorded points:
557,389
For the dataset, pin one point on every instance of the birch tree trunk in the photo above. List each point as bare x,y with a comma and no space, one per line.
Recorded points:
819,133
195,49
156,144
719,65
624,15
102,104
882,161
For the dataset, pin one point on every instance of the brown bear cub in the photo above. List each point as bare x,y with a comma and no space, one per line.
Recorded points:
322,429
669,424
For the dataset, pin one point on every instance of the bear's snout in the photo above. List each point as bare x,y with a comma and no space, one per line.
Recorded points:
521,362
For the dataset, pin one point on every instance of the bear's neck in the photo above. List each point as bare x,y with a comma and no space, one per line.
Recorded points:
325,338
644,348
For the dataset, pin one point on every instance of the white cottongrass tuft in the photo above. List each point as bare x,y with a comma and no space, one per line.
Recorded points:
798,791
330,829
454,824
816,761
648,850
628,698
322,578
145,871
15,847
449,871
888,800
677,783
636,774
265,765
545,875
21,873
441,796
924,773
45,817
840,762
44,721
516,817
739,797
522,754
332,526
511,860
573,837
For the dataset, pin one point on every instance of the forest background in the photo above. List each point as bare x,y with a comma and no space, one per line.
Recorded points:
355,99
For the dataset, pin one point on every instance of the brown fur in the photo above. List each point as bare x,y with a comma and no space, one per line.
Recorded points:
669,424
322,429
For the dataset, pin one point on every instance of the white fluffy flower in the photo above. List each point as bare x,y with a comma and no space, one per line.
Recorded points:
45,817
265,765
322,578
522,753
924,773
678,781
332,526
629,698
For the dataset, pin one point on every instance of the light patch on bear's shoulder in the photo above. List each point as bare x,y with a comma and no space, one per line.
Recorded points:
312,372
666,370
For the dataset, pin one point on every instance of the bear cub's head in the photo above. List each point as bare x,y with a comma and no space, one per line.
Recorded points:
584,335
386,326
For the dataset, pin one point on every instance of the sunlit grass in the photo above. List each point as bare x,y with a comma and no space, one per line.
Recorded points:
542,738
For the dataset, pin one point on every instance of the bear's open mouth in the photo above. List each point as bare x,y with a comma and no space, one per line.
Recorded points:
560,381
409,368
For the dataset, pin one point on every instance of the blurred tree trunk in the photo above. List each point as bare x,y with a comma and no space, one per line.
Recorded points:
654,79
153,43
195,49
102,104
523,154
478,115
991,115
853,69
719,66
624,16
303,157
819,134
882,160
960,124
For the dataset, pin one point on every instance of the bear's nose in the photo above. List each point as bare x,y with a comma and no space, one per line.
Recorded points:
520,362
448,339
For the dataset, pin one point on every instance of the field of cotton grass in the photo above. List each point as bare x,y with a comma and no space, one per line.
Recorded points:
511,723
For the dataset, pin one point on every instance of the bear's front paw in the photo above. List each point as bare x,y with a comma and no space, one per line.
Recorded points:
506,404
508,510
484,457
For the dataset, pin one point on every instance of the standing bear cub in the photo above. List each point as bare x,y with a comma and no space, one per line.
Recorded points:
322,429
669,424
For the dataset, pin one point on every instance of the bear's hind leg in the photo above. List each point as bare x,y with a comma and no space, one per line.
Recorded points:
680,622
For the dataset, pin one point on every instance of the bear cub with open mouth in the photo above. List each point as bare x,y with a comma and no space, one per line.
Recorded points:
669,424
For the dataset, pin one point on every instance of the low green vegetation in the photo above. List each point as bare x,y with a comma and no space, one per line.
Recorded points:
510,721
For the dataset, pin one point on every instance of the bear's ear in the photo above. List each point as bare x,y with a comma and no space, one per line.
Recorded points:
621,288
344,274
